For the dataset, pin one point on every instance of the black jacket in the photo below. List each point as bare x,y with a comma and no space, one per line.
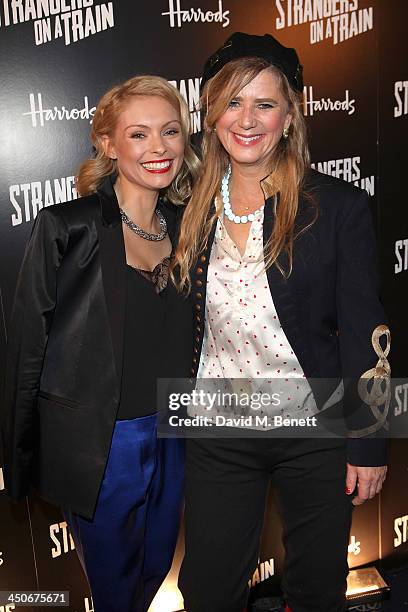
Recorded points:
329,305
64,365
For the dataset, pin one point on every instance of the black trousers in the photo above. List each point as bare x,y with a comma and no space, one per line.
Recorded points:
226,486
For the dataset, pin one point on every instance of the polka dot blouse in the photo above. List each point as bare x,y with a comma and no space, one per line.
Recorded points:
243,337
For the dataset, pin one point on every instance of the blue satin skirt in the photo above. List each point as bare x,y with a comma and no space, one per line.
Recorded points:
127,549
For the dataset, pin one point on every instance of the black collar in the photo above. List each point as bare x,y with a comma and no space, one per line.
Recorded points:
109,202
110,207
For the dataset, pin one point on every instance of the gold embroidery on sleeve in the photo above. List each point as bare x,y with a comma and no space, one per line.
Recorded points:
374,386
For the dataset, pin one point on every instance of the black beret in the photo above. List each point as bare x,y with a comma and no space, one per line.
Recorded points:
265,47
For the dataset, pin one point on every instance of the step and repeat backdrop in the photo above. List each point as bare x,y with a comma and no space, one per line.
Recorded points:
57,57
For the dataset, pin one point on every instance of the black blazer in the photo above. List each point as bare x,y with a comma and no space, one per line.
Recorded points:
64,368
329,305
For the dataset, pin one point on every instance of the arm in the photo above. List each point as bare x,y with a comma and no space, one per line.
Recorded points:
359,313
31,319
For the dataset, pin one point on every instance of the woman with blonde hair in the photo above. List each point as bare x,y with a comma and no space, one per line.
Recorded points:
280,263
96,321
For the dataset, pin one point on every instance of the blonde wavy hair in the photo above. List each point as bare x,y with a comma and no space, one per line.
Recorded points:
288,165
92,171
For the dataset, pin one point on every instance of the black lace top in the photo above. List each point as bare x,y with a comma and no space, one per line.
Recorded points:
155,316
159,276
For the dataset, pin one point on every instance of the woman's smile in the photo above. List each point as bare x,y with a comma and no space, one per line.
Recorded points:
247,140
159,166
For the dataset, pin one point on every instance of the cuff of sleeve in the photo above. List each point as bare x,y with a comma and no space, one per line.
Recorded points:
367,452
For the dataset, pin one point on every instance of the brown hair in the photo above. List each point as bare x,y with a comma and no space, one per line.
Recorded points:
288,165
92,171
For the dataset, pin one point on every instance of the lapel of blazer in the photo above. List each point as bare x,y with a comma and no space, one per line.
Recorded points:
172,213
113,265
199,274
284,292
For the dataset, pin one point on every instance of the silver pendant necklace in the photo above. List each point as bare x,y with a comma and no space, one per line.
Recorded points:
228,212
140,232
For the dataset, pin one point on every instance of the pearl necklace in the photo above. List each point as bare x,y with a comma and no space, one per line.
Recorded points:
228,212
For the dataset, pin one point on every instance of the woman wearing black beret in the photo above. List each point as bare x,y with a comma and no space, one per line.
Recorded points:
280,261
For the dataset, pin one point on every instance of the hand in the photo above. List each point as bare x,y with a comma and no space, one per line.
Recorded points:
368,481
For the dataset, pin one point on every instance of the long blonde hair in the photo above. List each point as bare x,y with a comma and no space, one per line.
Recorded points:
92,171
288,165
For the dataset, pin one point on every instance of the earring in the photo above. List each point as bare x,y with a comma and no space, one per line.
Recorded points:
214,129
286,132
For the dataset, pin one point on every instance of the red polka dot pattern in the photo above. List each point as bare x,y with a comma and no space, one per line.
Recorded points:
243,337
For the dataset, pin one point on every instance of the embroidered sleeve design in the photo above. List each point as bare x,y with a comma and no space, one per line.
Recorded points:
374,385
